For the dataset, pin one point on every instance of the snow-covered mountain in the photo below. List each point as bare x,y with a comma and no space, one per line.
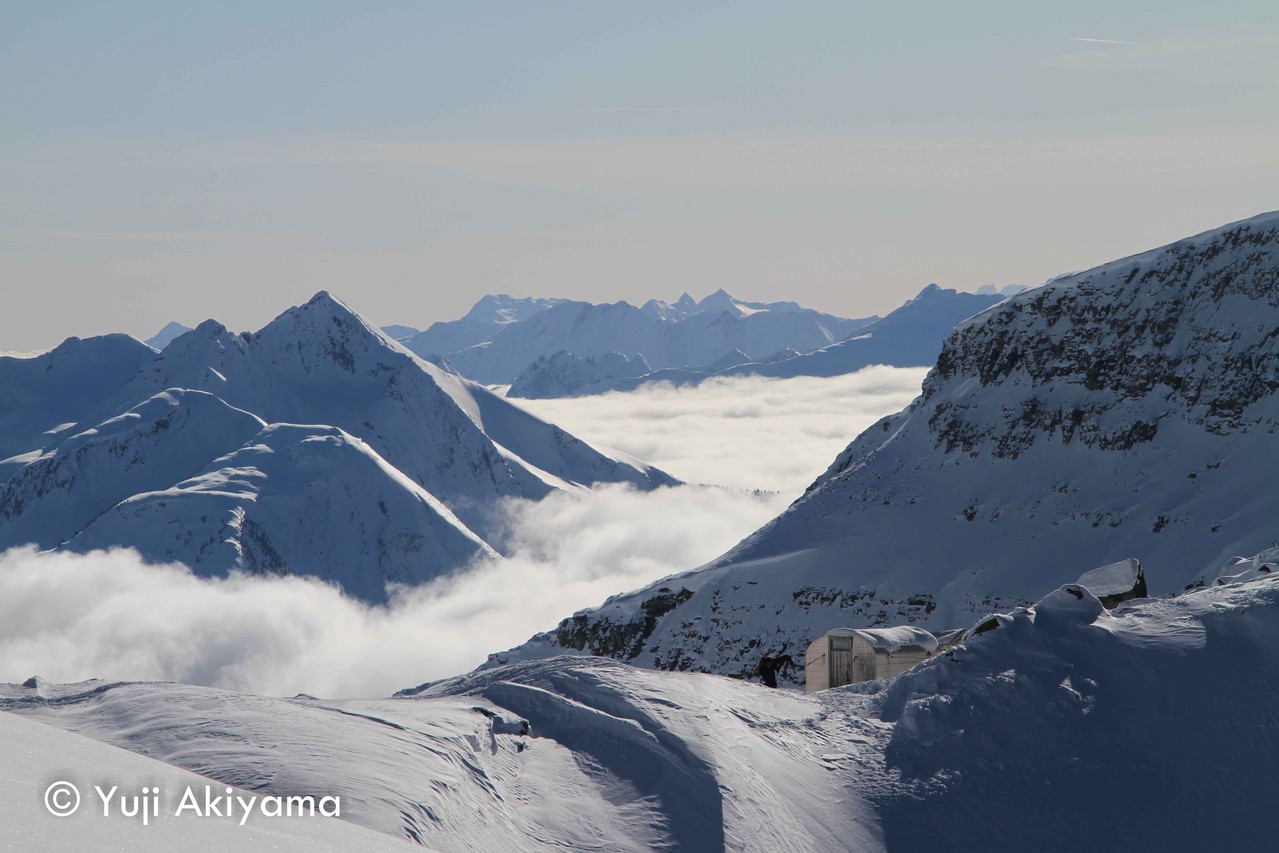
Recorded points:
486,318
162,440
685,334
910,336
44,396
1126,411
1066,728
195,457
294,496
400,333
563,374
166,335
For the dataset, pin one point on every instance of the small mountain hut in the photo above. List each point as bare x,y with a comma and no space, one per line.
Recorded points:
849,655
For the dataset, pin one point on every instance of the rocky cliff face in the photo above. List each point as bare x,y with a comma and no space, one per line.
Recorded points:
1126,411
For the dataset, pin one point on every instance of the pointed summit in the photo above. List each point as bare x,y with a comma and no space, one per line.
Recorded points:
720,301
165,336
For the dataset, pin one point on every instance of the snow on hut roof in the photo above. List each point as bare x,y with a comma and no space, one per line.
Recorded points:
1114,579
891,640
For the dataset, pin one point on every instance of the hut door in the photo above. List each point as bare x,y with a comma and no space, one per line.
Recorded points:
841,667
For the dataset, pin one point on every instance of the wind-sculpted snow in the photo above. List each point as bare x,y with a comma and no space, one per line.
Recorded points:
36,754
1065,728
1141,729
1122,412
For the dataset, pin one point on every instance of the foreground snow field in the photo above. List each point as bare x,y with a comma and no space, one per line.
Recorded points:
1066,728
36,756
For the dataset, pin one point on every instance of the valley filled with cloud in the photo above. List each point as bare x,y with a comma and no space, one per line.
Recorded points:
750,444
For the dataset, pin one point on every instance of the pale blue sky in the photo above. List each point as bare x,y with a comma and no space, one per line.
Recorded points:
160,161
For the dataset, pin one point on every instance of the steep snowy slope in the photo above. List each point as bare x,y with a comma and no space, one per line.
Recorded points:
664,335
1066,728
162,440
1127,411
541,449
299,499
42,396
320,363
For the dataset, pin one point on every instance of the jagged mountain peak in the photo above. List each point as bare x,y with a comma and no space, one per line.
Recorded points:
720,300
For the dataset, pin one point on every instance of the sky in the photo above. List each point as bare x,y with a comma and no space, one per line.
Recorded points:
163,161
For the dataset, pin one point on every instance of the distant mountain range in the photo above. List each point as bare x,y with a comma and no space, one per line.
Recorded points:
501,335
1124,411
315,446
910,336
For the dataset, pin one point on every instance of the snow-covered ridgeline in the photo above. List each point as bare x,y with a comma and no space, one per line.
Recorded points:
1123,411
1046,728
910,336
508,335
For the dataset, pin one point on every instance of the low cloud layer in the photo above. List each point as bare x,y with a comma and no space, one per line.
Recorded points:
747,432
68,617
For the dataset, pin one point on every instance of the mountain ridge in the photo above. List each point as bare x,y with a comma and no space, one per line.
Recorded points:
1101,416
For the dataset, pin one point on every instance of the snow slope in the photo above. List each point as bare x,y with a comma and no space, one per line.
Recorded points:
164,439
1066,728
1126,411
310,500
36,756
684,335
43,396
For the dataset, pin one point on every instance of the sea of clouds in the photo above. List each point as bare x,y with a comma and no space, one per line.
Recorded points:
110,615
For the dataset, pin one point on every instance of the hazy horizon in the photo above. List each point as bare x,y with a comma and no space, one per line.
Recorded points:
228,161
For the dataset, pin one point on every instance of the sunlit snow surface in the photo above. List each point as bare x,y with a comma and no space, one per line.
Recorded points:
1066,728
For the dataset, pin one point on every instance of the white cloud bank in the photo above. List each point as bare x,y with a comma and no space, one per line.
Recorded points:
69,617
746,432
109,615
